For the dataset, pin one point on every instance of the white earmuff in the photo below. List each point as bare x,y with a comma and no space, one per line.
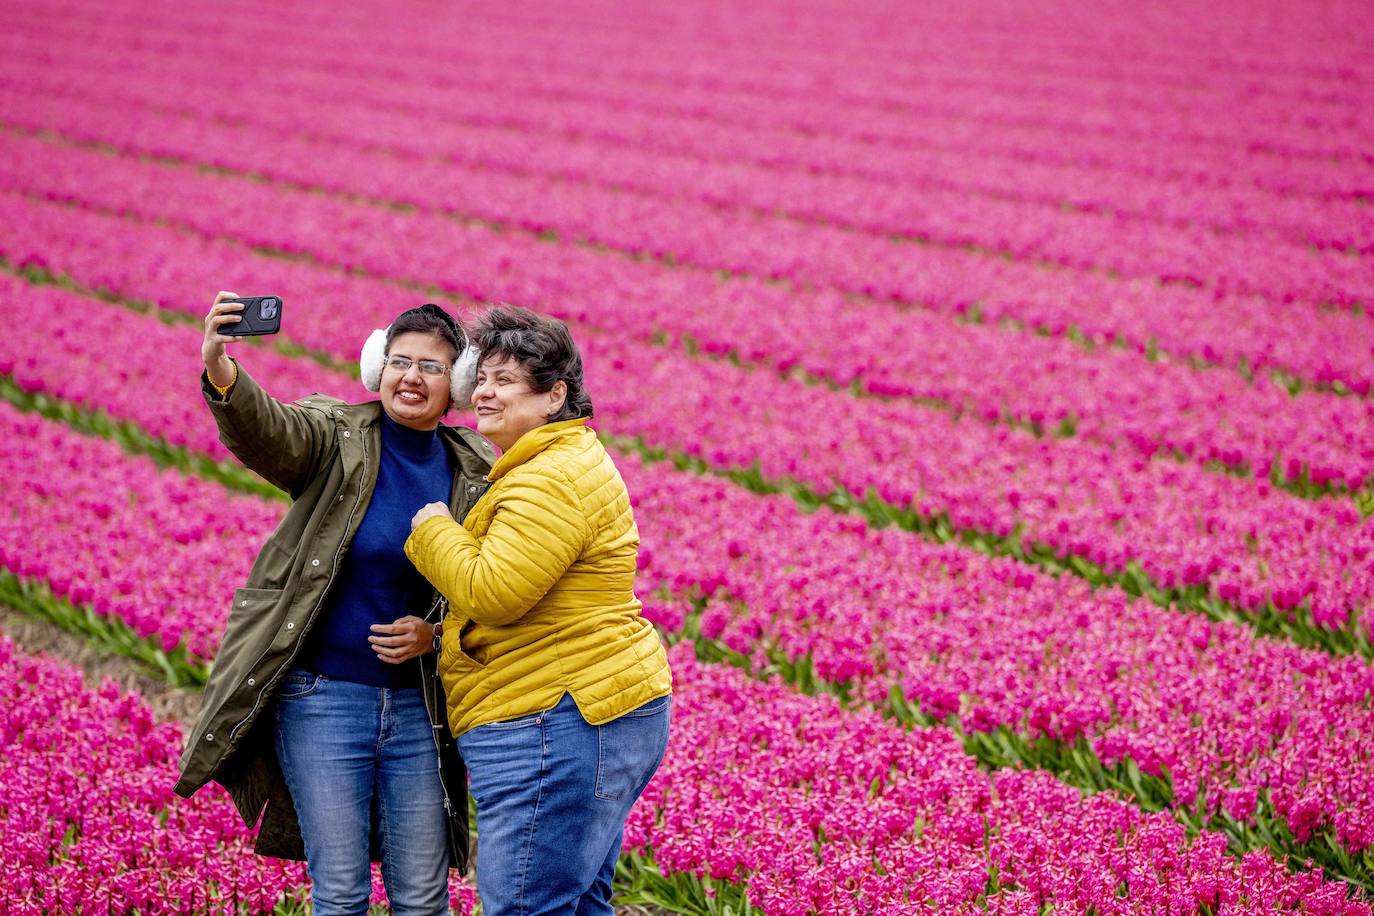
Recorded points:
373,359
462,380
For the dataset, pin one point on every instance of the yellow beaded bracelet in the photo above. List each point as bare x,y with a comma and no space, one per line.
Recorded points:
224,392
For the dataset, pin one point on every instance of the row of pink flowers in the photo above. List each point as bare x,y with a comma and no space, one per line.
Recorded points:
826,811
819,229
1229,719
1248,543
1020,149
429,246
158,551
131,367
903,818
88,819
990,641
1115,397
129,259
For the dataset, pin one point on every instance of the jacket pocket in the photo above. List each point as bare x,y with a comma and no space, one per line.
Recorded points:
452,657
233,694
252,625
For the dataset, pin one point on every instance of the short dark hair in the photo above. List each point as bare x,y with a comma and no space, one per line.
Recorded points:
542,347
429,319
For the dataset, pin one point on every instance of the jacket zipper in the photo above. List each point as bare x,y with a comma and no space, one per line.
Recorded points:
435,722
466,504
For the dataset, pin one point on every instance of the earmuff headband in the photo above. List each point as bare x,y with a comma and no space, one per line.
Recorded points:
462,376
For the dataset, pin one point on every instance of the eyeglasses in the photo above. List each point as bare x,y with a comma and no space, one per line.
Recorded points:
427,366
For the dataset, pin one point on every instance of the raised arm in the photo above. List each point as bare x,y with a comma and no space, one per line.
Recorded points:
286,445
538,529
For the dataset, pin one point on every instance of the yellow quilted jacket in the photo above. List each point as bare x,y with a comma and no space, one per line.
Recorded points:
540,583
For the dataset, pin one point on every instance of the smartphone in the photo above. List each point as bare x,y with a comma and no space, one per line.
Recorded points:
260,315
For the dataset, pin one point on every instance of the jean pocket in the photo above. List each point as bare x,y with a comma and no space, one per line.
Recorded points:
298,684
510,725
630,748
651,708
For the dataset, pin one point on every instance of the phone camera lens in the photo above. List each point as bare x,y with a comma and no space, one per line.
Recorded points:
268,309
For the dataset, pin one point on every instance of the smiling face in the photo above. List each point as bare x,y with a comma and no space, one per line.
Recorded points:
412,398
507,407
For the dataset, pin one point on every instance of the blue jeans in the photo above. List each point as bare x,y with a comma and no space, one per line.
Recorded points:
358,759
552,796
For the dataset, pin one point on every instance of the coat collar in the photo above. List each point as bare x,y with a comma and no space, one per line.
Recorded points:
534,442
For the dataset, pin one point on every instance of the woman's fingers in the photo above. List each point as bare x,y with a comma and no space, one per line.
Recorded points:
395,649
407,624
220,307
220,314
402,640
428,511
218,321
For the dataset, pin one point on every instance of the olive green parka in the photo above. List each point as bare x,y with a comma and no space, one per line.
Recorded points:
325,454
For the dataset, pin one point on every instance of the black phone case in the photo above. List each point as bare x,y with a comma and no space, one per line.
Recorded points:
260,315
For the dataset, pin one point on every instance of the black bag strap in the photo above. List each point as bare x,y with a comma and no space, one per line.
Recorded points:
447,758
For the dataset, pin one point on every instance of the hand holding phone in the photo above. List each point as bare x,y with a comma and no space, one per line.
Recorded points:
234,316
260,315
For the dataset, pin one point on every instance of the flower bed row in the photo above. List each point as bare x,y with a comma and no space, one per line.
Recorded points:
1106,394
134,543
823,810
1230,199
689,206
781,788
104,357
1261,731
1317,346
1197,535
88,819
936,98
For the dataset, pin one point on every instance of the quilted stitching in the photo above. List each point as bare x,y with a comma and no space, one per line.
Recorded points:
544,568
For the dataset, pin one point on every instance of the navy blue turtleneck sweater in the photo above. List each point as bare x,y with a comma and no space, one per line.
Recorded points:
377,584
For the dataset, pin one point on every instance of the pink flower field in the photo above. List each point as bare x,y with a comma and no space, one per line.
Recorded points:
994,384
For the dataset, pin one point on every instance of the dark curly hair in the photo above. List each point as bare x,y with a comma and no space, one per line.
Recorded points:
429,319
542,347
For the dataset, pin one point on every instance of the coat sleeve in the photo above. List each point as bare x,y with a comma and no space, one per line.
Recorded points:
538,529
286,445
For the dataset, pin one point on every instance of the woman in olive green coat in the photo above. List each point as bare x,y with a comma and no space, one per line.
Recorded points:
313,639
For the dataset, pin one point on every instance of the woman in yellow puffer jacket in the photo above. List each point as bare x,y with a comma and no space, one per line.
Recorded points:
558,689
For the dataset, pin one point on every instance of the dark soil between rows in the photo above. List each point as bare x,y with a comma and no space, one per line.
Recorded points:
37,637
